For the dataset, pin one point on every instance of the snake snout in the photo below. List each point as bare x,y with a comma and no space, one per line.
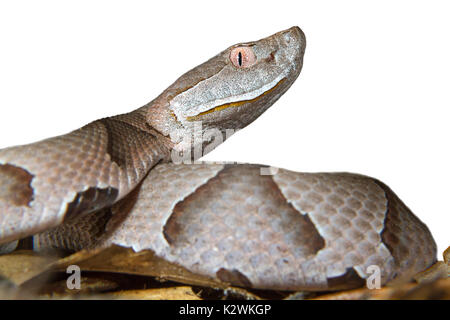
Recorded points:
295,34
293,42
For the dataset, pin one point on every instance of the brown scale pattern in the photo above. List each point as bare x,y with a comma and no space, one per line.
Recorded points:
407,238
64,167
88,230
227,209
75,234
61,166
349,212
288,231
161,190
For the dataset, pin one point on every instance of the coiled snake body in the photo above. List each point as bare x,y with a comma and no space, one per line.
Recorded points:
114,181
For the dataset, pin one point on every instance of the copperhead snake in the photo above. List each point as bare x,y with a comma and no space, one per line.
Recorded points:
133,180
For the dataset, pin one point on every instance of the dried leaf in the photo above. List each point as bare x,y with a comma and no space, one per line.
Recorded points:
125,260
120,273
20,266
435,290
435,272
174,293
89,286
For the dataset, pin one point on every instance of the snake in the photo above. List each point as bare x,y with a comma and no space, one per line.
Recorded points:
134,180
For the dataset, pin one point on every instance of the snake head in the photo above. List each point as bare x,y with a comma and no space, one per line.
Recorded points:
229,91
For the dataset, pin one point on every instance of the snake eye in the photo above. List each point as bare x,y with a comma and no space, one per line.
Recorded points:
242,57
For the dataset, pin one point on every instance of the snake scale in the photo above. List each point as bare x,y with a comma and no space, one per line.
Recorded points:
133,180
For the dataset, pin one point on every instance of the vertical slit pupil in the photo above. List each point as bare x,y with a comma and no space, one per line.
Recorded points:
240,59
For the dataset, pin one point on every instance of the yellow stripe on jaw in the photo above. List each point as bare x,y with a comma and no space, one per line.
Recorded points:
234,104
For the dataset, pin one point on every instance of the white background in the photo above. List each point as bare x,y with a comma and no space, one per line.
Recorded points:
373,96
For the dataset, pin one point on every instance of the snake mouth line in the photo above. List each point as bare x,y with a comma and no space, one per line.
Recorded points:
234,104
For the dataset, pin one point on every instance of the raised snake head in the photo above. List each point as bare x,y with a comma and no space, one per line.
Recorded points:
229,91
